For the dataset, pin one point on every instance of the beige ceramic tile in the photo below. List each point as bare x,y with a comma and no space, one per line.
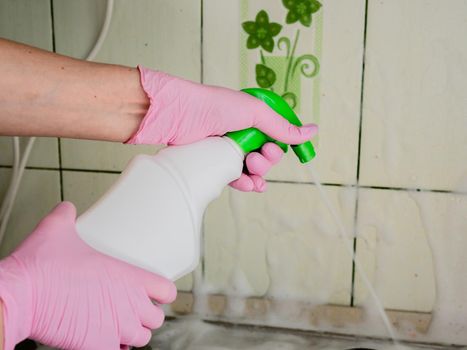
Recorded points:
85,188
444,217
43,154
414,122
394,250
29,22
99,155
185,283
332,98
159,34
38,194
283,243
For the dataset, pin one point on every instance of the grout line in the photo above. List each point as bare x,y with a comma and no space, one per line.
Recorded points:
201,55
362,85
93,171
309,183
408,189
65,169
59,141
362,92
52,20
59,144
352,283
386,188
329,184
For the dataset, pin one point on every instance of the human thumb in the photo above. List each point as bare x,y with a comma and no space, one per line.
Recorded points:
65,210
63,215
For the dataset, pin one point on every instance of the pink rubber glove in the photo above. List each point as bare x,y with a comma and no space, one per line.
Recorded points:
182,112
61,292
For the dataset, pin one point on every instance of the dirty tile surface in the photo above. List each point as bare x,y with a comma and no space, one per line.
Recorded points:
26,21
100,155
279,243
414,117
38,194
43,154
394,249
84,188
198,335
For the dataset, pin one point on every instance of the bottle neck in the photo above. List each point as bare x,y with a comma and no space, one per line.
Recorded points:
235,146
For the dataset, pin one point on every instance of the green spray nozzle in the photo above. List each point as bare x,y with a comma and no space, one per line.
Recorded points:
252,139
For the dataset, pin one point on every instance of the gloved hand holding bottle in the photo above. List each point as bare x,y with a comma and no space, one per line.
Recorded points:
182,112
59,291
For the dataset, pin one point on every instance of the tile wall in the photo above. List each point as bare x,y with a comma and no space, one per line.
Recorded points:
390,101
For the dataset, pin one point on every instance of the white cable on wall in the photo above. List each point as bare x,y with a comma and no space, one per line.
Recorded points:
16,158
19,163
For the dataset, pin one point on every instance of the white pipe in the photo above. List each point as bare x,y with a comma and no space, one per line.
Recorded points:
16,158
19,165
103,33
15,187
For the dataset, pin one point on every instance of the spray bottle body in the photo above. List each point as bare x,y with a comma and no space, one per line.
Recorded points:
151,217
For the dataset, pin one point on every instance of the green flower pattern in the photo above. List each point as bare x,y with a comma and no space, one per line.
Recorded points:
261,34
301,10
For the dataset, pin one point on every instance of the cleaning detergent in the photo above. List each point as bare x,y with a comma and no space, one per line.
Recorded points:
151,217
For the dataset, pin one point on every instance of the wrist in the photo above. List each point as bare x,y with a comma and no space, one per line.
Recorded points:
114,98
131,101
16,297
157,87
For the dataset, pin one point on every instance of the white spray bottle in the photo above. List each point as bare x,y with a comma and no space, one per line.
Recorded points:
151,217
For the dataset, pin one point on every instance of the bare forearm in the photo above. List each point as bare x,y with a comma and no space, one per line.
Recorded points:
45,94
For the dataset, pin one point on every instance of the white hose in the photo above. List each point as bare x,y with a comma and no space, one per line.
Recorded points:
19,164
103,33
15,186
16,158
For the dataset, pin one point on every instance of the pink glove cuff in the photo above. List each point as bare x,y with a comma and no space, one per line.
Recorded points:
16,295
153,83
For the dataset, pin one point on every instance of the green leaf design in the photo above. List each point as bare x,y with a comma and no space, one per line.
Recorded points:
284,41
252,42
315,6
265,76
262,17
288,3
301,10
268,44
274,28
261,32
304,63
291,18
306,19
249,27
290,98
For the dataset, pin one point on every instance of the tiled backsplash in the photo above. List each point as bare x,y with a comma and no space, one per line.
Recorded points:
390,101
414,128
